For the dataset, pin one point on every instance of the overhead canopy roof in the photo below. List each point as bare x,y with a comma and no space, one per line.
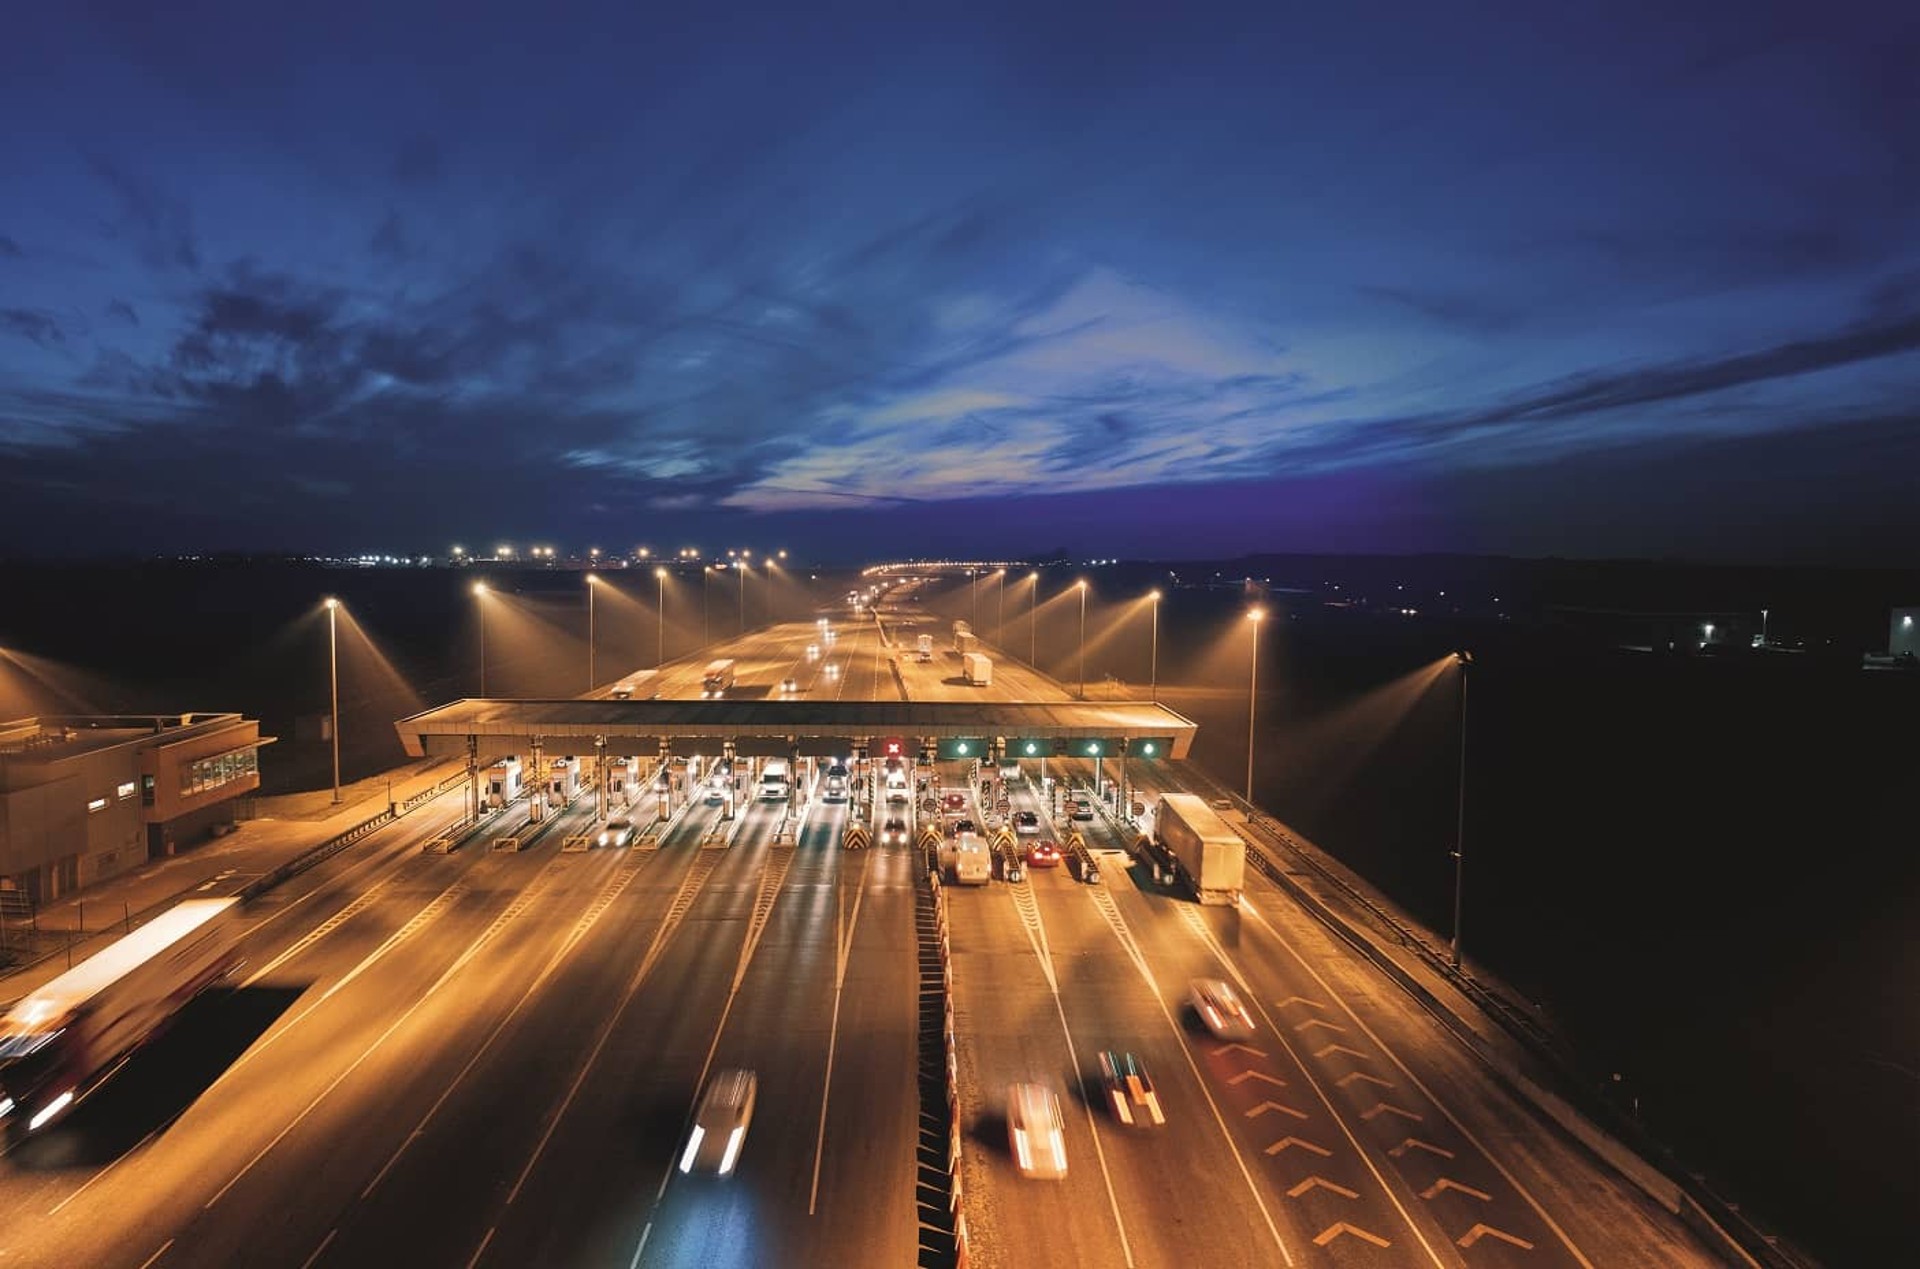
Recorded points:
507,726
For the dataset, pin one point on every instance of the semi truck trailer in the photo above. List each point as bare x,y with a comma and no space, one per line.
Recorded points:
978,667
61,1041
1209,855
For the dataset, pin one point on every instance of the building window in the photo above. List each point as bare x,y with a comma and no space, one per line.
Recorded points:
204,775
146,790
98,804
126,790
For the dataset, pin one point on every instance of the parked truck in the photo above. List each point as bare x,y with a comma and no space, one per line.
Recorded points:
1209,855
61,1042
978,667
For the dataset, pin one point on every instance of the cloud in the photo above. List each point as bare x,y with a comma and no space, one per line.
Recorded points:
9,249
36,325
160,227
124,311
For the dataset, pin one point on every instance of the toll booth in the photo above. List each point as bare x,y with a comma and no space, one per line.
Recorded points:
622,781
563,781
503,782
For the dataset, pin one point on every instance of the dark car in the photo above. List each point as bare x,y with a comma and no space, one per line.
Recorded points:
894,832
1043,855
1129,1089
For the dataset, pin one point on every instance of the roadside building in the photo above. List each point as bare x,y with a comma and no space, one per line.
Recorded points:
85,797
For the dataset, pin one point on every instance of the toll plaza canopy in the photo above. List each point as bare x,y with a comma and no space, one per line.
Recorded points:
493,728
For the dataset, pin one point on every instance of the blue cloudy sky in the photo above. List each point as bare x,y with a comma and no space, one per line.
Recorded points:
1587,279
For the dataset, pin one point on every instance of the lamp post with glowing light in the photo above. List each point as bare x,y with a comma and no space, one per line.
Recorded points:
1153,672
1463,660
1082,584
740,567
1033,625
1000,608
333,685
660,610
1253,683
480,591
592,679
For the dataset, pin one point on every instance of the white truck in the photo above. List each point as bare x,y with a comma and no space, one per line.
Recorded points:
923,647
63,1040
968,860
776,780
978,667
1208,854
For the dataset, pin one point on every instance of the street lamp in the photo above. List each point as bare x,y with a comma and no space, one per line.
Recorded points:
1153,690
592,679
660,609
1463,659
333,684
1000,609
1082,584
740,566
1253,681
973,593
1033,627
480,589
1763,627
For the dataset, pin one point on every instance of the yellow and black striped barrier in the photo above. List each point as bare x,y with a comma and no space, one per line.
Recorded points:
857,837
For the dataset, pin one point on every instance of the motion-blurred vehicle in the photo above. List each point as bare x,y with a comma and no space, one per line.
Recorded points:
1026,823
720,1123
833,671
1129,1089
1036,1132
956,827
953,800
813,652
616,832
1220,1008
893,832
897,790
1043,855
788,687
1080,807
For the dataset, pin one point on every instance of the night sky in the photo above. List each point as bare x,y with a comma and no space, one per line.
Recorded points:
1621,279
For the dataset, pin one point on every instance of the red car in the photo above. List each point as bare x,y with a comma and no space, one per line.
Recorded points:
954,800
1043,855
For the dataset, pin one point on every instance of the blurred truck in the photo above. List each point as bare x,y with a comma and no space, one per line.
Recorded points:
63,1040
978,667
1209,855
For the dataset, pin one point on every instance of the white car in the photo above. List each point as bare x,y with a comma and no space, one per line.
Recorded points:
616,833
1026,823
720,1124
1220,1008
813,652
1036,1132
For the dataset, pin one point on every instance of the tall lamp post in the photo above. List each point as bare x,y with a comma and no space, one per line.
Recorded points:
592,679
1000,609
1463,660
333,685
1153,689
1033,625
973,594
660,611
740,567
1082,584
1253,682
706,603
480,590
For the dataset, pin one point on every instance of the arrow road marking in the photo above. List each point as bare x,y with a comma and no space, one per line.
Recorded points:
1285,1142
1324,1184
1264,1107
1244,1048
1414,1143
1339,1048
1244,1076
1383,1107
1319,1022
1478,1232
1332,1232
1448,1183
1351,1076
1297,1000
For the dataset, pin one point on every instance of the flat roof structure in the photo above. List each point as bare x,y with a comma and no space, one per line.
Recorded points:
496,727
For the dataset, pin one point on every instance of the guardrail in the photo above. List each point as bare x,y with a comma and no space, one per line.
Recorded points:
1626,1146
340,841
939,1185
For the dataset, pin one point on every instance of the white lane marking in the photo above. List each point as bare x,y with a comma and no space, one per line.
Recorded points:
608,893
321,1249
1213,945
635,1262
844,939
1439,1105
1117,925
1036,931
156,1255
480,1251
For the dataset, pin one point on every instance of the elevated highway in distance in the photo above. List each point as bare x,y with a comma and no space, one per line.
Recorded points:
491,1057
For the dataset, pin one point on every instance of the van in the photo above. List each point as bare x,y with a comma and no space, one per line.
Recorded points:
775,780
836,783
